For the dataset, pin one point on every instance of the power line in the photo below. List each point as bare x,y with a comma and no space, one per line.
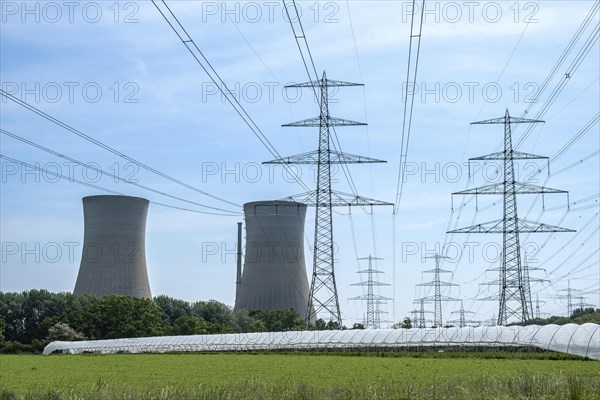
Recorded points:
583,52
575,138
566,52
201,59
71,179
108,148
116,177
408,109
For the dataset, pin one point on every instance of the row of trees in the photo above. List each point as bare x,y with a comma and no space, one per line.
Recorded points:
579,316
31,319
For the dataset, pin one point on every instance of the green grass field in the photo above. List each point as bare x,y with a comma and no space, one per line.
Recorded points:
291,376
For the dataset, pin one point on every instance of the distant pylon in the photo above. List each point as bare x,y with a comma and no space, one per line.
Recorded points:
527,279
513,300
374,301
462,321
571,305
568,297
537,306
581,304
419,314
437,284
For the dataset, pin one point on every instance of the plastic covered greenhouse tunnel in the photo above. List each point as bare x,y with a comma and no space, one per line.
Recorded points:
581,340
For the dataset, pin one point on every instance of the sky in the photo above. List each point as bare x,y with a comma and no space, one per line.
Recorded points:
117,72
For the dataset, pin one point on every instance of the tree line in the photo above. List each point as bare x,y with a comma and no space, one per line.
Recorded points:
31,319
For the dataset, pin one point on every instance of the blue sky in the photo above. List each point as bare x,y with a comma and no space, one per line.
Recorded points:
117,72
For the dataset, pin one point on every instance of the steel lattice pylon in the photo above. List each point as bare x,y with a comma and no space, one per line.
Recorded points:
462,320
419,314
571,306
373,318
537,307
513,294
323,295
527,279
437,284
568,297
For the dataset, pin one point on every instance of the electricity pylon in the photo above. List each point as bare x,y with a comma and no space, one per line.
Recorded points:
419,315
581,304
437,284
569,297
538,314
527,279
513,300
373,319
462,321
323,295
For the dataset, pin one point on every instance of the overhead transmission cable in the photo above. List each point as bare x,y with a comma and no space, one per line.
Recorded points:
110,149
301,42
570,46
406,126
409,99
586,128
235,25
201,59
588,45
71,179
116,177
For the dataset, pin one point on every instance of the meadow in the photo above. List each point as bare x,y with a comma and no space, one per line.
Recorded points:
294,376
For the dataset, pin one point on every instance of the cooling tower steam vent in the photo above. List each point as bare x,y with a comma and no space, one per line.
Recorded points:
113,259
274,276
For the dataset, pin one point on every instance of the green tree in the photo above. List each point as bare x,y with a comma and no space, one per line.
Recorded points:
37,306
11,311
321,325
215,313
172,309
118,317
279,320
358,325
405,324
188,325
2,325
63,332
243,322
334,326
588,315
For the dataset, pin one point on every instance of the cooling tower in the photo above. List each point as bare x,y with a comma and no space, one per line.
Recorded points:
113,259
274,275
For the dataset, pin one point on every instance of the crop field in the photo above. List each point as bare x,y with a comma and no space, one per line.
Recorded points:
293,376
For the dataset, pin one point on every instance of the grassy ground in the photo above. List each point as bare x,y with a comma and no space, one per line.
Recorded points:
291,376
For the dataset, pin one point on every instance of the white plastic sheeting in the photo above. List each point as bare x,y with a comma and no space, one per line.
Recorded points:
581,340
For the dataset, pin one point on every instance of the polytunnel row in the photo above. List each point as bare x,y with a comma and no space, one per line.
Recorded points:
581,340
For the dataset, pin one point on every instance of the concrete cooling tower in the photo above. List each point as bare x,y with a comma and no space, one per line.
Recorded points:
113,259
274,275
